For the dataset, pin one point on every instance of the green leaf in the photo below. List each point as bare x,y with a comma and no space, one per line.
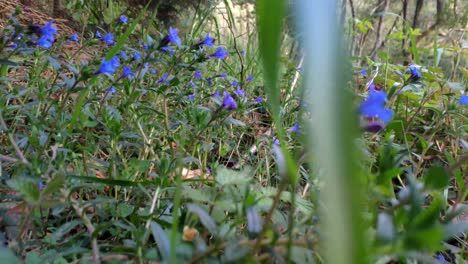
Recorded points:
161,240
7,256
29,189
436,178
63,230
270,15
54,185
205,218
8,63
124,210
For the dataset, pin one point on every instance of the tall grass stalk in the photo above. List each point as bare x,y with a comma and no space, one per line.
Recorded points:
332,132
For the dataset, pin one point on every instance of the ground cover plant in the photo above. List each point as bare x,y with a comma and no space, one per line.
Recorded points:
146,143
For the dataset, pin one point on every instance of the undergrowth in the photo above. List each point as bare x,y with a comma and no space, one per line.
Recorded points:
126,146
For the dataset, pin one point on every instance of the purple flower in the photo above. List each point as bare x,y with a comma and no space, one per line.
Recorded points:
41,185
363,72
192,84
145,46
108,38
240,92
136,55
47,38
220,53
463,99
300,69
152,71
123,54
197,75
250,78
294,129
441,259
259,99
112,90
123,19
209,81
98,34
208,41
163,78
173,36
48,30
223,75
234,83
229,102
415,73
374,106
191,97
74,38
45,42
276,141
243,52
216,94
127,71
168,49
146,65
109,66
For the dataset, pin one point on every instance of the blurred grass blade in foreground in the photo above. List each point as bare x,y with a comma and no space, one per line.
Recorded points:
333,129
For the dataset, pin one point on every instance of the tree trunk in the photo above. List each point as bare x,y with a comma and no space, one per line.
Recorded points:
417,12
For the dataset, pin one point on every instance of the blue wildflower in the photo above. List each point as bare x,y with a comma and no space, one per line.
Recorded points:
192,84
463,99
191,97
109,66
415,73
223,75
168,49
216,94
197,75
48,30
127,71
208,41
108,38
294,129
240,92
173,36
136,55
98,34
374,106
276,141
145,46
243,52
220,53
363,72
229,102
123,54
163,78
209,81
112,90
234,83
152,71
45,42
41,185
441,259
123,19
74,38
47,38
300,69
259,99
146,65
250,78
